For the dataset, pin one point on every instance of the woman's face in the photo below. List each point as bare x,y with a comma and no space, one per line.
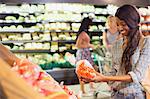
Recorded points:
122,27
112,22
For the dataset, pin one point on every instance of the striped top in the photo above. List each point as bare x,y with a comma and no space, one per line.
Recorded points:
140,62
111,38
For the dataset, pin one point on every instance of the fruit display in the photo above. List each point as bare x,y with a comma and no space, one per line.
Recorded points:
144,27
45,31
50,61
75,26
85,69
145,19
111,9
95,38
52,27
93,28
40,80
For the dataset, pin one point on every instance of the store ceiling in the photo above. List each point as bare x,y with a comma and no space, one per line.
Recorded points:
97,2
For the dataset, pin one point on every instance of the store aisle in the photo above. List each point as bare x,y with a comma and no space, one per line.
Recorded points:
101,87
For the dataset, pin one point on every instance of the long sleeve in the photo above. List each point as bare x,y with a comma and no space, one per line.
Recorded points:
138,72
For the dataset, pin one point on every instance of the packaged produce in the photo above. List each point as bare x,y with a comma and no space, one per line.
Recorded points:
85,69
40,80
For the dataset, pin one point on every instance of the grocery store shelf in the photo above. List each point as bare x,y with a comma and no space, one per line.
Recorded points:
70,51
45,21
28,41
8,13
145,22
99,31
41,51
58,31
18,13
145,30
100,14
20,41
145,15
98,22
11,27
96,14
32,30
17,23
24,30
30,51
61,21
64,41
64,21
96,2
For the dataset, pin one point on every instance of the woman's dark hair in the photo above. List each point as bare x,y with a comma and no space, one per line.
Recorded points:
131,17
86,22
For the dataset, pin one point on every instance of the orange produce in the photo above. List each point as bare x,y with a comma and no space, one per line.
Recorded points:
40,80
85,69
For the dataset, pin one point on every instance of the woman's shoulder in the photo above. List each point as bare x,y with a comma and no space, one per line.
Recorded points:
83,34
144,42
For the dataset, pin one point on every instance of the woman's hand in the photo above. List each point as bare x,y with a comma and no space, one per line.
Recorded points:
99,78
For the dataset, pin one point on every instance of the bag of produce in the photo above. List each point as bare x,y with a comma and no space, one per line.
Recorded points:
85,69
40,80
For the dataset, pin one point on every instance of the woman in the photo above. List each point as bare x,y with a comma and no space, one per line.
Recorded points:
83,45
129,66
111,33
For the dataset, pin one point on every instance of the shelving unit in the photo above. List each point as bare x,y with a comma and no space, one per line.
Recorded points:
145,17
145,24
3,22
34,21
48,58
42,51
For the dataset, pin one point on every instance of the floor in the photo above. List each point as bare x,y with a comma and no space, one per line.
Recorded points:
102,88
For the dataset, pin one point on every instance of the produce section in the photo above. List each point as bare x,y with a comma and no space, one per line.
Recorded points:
145,24
42,29
32,29
43,37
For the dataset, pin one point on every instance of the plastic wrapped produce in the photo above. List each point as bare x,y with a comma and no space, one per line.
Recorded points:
40,80
85,69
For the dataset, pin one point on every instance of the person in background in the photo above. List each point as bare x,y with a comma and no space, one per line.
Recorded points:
83,44
110,35
130,61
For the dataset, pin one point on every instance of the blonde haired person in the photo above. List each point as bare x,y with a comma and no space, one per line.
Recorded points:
110,35
111,32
